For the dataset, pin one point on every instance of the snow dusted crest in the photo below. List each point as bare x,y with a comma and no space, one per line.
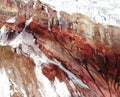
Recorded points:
105,12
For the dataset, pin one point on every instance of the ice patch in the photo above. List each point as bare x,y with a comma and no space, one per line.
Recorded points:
25,1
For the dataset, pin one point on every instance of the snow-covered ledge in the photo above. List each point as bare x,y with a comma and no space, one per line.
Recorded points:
101,11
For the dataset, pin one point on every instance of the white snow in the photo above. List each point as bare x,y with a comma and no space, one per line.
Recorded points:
71,75
102,11
25,1
15,89
4,84
12,20
49,19
23,92
61,88
28,22
46,88
3,35
35,2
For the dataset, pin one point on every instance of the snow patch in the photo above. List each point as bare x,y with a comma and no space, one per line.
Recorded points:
3,36
44,84
47,89
15,89
28,22
25,1
23,92
12,20
4,84
35,2
61,88
101,11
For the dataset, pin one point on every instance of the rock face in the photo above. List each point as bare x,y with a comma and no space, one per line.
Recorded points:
43,55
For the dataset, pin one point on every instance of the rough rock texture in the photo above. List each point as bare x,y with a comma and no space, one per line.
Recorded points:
82,54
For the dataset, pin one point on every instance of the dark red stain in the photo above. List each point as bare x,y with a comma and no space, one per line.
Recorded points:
51,71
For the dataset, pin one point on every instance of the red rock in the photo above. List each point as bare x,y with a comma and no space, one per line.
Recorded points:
93,61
